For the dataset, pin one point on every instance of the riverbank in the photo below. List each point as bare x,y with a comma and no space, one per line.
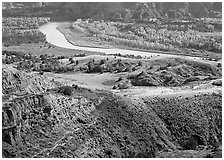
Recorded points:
79,38
56,38
38,49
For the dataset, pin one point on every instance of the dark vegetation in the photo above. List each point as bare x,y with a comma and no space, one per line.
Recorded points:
37,49
143,72
161,37
52,64
31,62
105,65
66,90
217,82
22,30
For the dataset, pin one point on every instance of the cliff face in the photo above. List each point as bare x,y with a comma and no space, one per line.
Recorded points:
27,120
15,115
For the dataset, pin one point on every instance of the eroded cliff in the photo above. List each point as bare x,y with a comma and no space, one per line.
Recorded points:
100,124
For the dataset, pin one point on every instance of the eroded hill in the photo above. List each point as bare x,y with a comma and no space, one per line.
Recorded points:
85,123
122,10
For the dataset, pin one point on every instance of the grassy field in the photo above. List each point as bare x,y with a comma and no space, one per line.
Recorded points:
42,48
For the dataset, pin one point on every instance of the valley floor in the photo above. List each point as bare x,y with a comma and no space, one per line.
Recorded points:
108,80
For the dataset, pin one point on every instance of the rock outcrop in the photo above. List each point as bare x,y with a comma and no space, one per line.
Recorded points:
175,72
14,81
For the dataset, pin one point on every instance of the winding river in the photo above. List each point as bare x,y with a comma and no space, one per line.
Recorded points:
56,38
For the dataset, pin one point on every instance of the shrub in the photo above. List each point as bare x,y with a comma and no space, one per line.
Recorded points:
219,65
134,69
217,82
169,64
127,69
162,68
75,86
140,63
114,87
66,90
41,73
123,85
61,57
151,67
71,60
102,61
119,79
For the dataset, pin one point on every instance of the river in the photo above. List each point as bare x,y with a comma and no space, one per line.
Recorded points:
56,38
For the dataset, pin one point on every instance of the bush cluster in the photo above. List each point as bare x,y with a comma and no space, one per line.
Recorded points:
66,90
22,30
145,37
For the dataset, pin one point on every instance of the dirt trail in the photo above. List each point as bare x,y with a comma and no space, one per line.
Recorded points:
187,91
87,80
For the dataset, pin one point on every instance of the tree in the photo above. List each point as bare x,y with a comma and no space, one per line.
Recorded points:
77,62
41,72
219,65
102,61
140,63
66,90
71,60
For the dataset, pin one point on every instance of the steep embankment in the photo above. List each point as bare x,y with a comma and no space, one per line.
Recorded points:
199,115
14,81
101,124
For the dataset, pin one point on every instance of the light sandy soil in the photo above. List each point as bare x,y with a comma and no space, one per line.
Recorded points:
170,91
87,80
107,80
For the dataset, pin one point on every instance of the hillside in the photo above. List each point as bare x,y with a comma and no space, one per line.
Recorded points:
111,80
98,124
123,10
